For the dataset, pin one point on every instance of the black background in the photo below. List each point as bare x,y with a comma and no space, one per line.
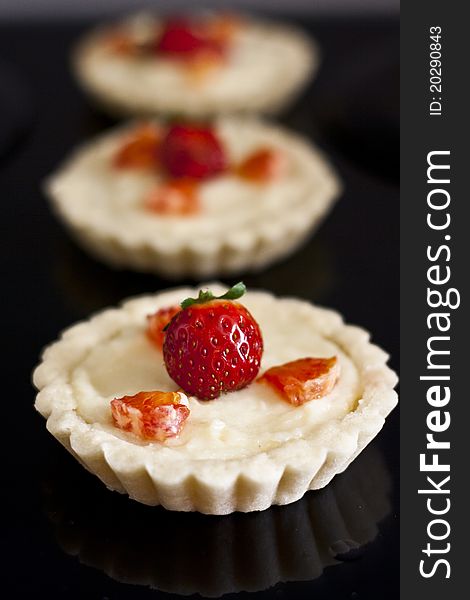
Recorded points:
351,110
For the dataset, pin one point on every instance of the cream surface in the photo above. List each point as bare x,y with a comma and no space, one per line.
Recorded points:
111,200
236,425
260,57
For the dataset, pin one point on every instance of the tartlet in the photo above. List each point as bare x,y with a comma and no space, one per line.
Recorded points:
241,225
262,66
245,450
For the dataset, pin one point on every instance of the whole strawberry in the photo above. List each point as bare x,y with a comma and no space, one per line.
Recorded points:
213,345
182,39
193,151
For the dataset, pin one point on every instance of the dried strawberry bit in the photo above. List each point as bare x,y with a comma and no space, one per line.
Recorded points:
119,41
140,149
205,64
223,27
151,415
192,151
178,197
157,322
264,165
303,380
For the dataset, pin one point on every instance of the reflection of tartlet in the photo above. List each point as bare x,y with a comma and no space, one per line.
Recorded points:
195,67
135,544
242,451
116,209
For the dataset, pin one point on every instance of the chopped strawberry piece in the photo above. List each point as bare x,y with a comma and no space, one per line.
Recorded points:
302,380
223,27
157,322
203,66
151,415
183,40
177,197
192,151
263,165
140,150
119,42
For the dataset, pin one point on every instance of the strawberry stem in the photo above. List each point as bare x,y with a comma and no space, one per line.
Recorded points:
233,293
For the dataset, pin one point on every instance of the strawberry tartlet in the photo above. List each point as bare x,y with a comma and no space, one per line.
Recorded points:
194,199
215,401
195,66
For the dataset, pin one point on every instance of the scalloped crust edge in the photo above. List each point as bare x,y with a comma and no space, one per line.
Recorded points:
215,487
197,258
268,535
272,101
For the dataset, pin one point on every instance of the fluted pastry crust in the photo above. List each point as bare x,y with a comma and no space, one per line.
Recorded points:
247,552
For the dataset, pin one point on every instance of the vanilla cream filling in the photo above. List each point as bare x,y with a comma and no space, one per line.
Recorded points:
236,425
112,200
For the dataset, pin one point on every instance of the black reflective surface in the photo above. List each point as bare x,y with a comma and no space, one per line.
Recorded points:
189,553
16,109
65,535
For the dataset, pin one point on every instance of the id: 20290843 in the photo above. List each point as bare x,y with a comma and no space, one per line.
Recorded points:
435,70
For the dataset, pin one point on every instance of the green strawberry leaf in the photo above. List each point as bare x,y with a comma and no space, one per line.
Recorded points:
233,293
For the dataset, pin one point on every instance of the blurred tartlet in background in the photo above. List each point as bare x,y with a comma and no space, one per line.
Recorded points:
195,66
185,199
